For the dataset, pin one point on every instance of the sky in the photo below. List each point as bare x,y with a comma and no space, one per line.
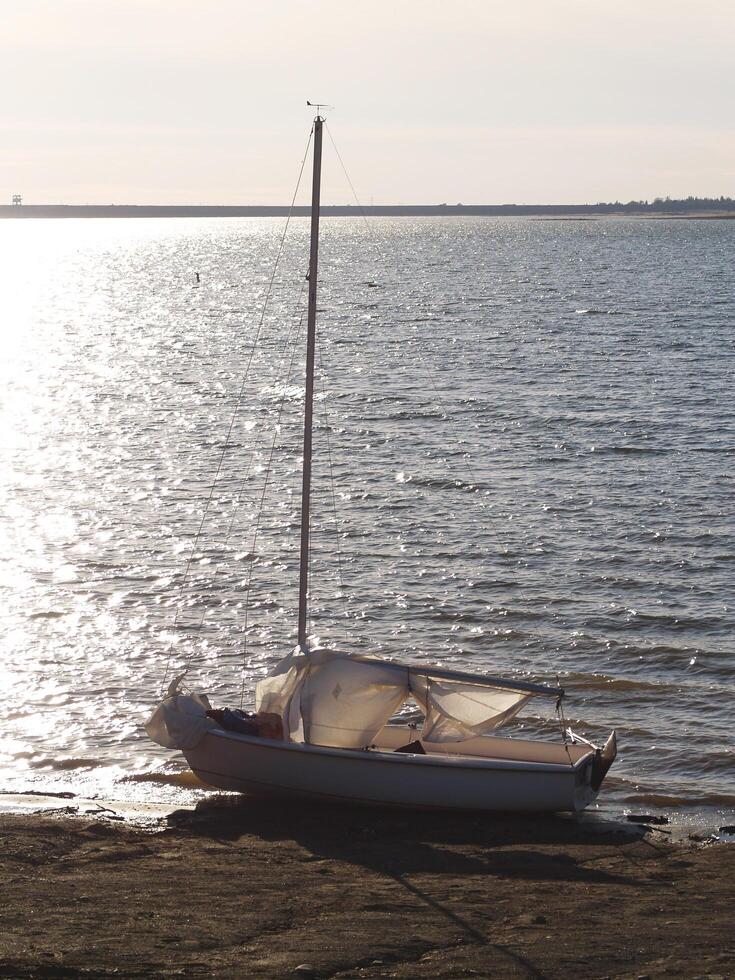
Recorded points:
471,101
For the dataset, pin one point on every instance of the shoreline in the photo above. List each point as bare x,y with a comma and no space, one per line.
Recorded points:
553,212
240,887
706,824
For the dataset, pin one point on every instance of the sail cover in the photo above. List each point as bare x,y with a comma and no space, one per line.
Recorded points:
330,698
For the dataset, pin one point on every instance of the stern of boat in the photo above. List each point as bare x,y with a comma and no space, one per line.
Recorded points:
591,774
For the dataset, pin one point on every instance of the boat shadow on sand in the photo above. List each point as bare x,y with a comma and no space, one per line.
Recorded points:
399,843
450,864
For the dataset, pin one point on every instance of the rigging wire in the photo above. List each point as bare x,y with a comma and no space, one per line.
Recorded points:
278,373
276,434
474,482
344,169
334,498
236,410
329,453
371,231
563,722
245,479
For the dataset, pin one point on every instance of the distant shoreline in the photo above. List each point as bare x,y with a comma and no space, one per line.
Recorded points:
553,211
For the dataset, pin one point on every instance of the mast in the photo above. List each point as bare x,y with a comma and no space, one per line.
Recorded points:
309,397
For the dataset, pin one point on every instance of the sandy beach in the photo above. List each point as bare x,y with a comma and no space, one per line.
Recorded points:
241,888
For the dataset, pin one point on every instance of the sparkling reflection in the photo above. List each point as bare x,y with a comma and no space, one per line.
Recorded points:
531,431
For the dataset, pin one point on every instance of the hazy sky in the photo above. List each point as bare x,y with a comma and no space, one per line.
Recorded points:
478,101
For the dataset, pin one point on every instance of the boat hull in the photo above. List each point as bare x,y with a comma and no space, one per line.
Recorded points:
270,768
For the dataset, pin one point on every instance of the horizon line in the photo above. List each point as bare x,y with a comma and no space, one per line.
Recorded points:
658,205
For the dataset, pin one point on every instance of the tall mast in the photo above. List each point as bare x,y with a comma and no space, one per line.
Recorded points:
309,399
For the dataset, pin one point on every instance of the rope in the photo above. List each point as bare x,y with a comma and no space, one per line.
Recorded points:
563,722
236,409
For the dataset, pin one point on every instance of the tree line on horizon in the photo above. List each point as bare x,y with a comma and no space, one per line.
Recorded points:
673,204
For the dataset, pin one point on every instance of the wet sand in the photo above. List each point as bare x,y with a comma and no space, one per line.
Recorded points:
240,888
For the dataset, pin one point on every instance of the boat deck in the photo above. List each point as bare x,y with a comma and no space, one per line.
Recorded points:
485,747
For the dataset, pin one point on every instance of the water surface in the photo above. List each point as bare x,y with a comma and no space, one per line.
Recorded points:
524,464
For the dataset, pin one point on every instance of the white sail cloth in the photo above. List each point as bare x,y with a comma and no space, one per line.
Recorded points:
458,710
330,698
180,720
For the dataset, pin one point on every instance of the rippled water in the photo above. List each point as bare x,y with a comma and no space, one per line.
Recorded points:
529,425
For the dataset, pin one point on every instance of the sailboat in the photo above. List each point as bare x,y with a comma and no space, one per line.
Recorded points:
326,713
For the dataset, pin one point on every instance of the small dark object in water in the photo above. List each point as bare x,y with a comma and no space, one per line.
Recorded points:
234,720
646,818
728,829
415,747
198,277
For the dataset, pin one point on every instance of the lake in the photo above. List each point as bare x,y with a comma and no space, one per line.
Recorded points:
523,465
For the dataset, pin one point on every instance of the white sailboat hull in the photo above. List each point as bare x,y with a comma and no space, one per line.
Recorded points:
560,780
